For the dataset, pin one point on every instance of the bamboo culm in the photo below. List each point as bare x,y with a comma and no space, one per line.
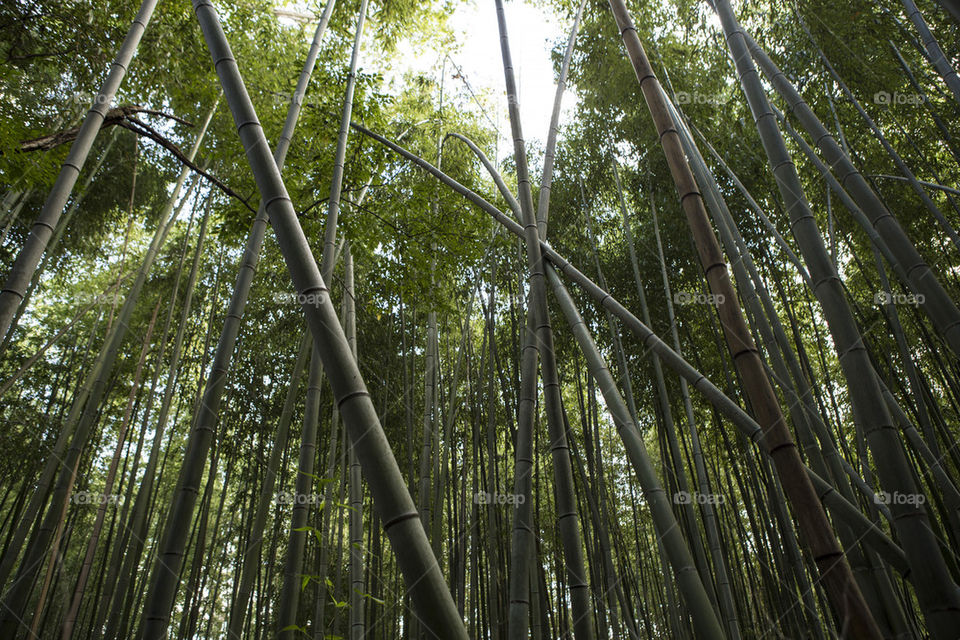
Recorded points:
428,590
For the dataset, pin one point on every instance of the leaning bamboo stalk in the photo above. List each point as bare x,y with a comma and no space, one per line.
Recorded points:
29,257
766,318
753,290
837,188
290,591
395,508
937,58
862,527
207,416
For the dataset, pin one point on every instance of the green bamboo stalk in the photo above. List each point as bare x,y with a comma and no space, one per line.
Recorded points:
390,497
568,519
15,284
937,58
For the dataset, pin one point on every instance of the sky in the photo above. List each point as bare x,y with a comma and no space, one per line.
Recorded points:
533,32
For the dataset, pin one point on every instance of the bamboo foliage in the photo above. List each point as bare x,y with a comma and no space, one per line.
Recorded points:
742,477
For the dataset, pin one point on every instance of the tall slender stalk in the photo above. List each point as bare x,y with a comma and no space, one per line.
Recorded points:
726,600
568,519
937,58
882,139
669,425
357,592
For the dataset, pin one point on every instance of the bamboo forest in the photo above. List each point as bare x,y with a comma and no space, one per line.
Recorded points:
487,319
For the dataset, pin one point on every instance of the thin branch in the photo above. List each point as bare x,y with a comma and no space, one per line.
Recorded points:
140,128
114,117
